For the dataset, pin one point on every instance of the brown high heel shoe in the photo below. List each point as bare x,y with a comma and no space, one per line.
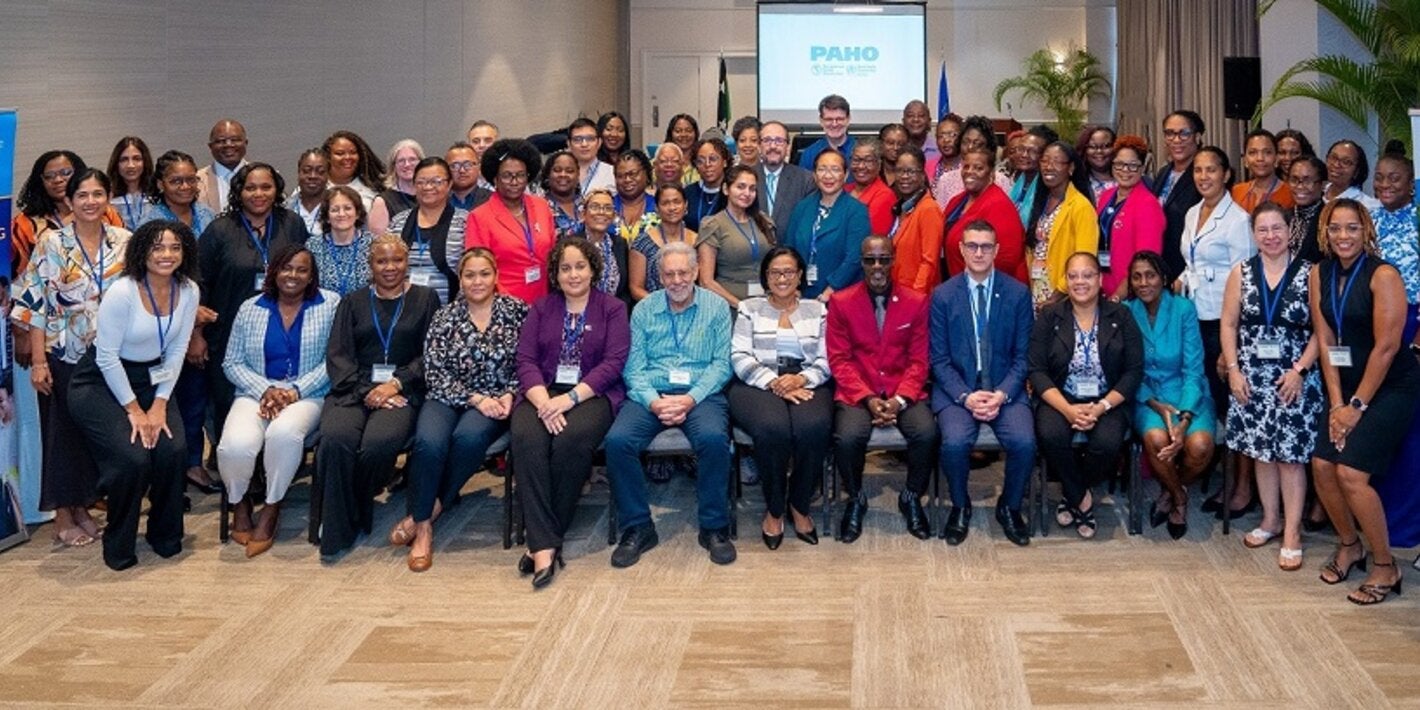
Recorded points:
241,510
255,546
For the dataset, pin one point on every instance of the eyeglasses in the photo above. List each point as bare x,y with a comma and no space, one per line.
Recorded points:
863,160
834,120
599,209
514,177
782,274
1126,166
876,260
978,247
461,166
1335,230
60,174
1340,161
582,140
773,141
406,161
180,181
1176,136
434,183
708,160
828,170
1302,180
948,135
631,175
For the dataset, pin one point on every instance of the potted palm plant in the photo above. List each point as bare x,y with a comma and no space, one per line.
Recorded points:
1061,83
1385,87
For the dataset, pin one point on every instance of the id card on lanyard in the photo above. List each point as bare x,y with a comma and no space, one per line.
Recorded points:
96,272
754,288
533,274
421,248
262,247
161,372
1270,348
1340,354
678,376
1088,388
384,371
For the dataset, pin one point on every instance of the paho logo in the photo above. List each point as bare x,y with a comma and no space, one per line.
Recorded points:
820,53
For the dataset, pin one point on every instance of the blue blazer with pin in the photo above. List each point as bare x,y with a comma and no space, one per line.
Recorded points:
840,239
953,342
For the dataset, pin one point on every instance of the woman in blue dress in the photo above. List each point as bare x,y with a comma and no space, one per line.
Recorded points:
1173,412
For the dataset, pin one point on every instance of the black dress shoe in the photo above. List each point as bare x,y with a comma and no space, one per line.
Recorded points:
958,525
722,551
1235,514
543,577
772,541
1014,525
206,488
525,564
913,515
1156,516
811,537
634,542
1177,530
1213,505
852,524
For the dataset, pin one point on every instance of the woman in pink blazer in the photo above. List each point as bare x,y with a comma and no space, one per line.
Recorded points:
1130,217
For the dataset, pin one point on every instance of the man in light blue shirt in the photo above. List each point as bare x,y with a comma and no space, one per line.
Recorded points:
833,115
678,366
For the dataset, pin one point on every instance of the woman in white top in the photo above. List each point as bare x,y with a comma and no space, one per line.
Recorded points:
782,394
120,391
1216,237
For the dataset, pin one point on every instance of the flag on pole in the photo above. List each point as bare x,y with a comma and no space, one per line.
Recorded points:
944,103
722,115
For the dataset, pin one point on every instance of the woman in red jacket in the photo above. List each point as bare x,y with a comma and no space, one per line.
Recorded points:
865,168
983,199
517,229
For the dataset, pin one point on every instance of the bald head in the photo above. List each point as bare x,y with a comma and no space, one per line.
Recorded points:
228,143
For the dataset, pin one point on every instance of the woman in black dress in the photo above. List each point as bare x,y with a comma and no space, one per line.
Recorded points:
375,359
1358,309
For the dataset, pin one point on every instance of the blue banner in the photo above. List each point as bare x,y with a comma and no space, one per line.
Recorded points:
7,181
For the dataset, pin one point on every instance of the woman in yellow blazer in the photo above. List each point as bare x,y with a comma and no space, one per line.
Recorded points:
1062,223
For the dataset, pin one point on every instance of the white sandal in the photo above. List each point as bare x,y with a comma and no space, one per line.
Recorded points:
1258,537
1289,559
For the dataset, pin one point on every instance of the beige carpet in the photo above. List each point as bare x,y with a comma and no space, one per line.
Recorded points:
889,622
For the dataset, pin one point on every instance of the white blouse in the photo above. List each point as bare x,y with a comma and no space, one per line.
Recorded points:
1211,252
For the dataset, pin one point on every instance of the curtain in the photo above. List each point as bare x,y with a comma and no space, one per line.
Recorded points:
1171,57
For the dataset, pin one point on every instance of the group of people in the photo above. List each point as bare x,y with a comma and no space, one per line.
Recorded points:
589,299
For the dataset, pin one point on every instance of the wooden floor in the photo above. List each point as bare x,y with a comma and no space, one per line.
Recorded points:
888,622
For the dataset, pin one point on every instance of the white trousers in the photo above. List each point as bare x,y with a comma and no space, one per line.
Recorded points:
244,435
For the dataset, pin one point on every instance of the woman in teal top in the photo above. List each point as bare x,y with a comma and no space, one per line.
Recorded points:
1174,415
829,230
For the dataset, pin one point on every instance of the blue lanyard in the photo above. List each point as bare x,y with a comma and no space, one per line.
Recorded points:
527,229
976,307
419,242
1337,309
341,270
749,236
587,184
700,203
1272,298
132,221
1106,222
813,237
675,332
1088,344
465,203
1198,238
96,274
163,333
957,211
261,248
385,337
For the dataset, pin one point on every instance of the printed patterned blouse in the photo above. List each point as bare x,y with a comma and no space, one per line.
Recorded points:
460,360
62,285
1399,239
342,268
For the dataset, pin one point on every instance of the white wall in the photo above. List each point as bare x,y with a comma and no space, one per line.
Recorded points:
85,72
982,41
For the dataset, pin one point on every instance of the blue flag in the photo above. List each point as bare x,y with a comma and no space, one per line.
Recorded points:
944,103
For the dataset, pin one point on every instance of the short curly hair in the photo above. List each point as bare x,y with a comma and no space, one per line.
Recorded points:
140,245
588,250
505,148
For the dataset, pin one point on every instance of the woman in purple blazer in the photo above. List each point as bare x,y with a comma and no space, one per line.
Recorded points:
570,354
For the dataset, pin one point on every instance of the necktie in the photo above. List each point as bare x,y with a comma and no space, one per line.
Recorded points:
771,182
983,343
880,310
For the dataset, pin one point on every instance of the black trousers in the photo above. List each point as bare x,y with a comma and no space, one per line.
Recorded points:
70,475
1211,332
854,425
551,470
220,395
127,471
1077,472
355,461
781,432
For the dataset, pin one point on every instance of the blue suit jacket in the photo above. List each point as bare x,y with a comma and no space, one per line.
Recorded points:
840,239
953,344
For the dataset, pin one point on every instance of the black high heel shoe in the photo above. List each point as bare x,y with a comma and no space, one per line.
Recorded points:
543,577
772,541
1359,564
811,537
525,564
1157,517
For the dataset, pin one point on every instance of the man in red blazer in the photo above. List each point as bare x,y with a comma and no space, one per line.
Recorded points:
877,350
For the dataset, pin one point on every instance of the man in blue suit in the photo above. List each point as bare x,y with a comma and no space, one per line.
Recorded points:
980,325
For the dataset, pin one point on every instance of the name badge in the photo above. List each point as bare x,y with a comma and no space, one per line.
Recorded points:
1191,280
1104,259
1269,349
160,374
1087,389
568,375
1037,272
532,274
419,279
812,274
680,377
1339,355
258,282
756,290
382,373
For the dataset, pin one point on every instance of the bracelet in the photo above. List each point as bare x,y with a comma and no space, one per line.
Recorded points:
572,395
1105,401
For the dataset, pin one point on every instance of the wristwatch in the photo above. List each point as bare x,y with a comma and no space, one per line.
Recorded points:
572,395
901,402
1357,404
